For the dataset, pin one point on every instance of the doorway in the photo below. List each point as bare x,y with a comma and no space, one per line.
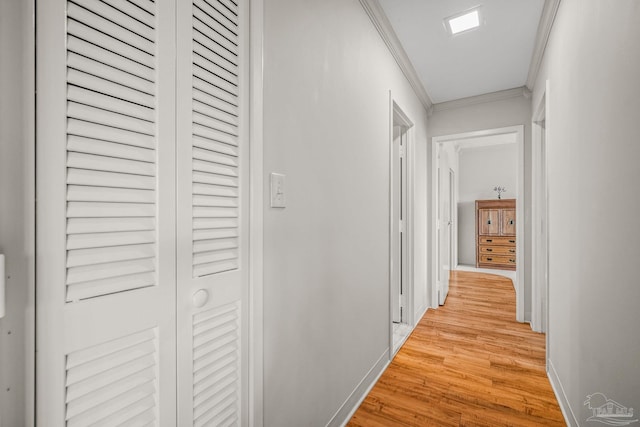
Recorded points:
442,211
400,229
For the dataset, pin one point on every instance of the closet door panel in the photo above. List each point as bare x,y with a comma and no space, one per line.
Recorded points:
106,197
212,153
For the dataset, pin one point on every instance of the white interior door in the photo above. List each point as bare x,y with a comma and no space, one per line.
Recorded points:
213,214
399,245
444,227
142,274
106,213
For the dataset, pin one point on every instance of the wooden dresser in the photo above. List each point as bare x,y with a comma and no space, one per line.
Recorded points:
496,234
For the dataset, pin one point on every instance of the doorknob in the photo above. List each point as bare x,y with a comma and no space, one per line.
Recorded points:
200,298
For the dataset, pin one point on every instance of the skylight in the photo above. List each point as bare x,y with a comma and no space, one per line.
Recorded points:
462,22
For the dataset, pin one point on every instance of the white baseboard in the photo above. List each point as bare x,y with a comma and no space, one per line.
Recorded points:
349,407
556,385
422,311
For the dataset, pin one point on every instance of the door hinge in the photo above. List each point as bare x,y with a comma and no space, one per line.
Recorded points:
402,229
402,151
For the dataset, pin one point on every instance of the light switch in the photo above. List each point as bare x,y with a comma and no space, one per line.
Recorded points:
277,191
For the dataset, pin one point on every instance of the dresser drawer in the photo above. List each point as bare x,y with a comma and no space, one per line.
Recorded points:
498,259
498,250
491,240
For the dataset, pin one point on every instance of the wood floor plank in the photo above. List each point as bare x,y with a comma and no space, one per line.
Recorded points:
469,363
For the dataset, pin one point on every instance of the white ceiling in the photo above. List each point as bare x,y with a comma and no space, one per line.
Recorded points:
494,57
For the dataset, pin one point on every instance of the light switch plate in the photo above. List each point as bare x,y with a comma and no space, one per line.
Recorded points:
277,191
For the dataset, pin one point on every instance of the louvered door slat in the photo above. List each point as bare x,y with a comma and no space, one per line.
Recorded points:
99,84
203,88
106,133
108,118
200,13
214,168
104,148
97,256
133,11
214,123
84,290
202,44
126,22
220,14
102,225
103,54
107,25
146,5
101,41
214,146
214,155
101,240
205,60
201,261
109,103
215,112
111,269
213,190
109,164
116,180
110,71
214,37
109,194
102,210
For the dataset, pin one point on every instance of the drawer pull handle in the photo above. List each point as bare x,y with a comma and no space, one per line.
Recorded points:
513,251
489,240
489,250
512,260
489,259
512,241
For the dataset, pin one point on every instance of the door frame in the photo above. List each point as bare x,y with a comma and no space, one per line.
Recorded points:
540,252
436,141
453,214
256,214
397,117
19,323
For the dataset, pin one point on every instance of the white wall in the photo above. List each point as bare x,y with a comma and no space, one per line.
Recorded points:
17,204
327,76
490,115
592,62
481,169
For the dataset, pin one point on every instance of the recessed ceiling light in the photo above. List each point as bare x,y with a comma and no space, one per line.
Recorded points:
465,21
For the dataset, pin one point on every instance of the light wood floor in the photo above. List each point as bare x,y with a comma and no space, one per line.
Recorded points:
468,363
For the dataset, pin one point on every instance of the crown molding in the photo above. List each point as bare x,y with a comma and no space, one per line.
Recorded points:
549,11
382,24
480,99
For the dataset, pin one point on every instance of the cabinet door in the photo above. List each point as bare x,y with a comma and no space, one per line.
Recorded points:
488,222
509,222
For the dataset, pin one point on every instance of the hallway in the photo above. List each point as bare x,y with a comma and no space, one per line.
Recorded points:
467,363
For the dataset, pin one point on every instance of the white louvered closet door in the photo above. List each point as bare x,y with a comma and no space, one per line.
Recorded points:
106,213
213,233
